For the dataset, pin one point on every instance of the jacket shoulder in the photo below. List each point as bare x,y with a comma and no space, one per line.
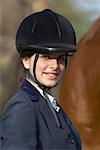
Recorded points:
19,118
20,99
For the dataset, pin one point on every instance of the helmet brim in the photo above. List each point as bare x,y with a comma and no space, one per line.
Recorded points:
50,47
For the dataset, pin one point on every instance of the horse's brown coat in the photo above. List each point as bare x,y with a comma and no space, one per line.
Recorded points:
80,90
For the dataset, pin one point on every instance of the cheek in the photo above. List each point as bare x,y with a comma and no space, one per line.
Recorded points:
40,67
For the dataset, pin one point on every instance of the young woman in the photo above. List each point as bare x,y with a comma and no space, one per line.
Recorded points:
32,118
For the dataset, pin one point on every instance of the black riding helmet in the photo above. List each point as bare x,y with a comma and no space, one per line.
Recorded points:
45,32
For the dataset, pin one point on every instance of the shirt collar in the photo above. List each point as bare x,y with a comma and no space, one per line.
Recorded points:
51,98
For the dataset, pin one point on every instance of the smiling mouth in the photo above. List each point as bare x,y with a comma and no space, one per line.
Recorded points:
52,76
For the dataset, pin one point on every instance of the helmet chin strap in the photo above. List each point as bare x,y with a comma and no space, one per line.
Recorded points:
34,78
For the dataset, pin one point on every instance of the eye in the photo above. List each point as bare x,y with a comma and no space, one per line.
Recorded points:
62,59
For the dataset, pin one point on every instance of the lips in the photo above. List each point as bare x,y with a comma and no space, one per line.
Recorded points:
51,75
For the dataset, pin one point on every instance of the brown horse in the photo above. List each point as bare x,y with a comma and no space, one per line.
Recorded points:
80,91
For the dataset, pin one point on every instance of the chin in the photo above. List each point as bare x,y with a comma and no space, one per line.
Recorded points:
51,85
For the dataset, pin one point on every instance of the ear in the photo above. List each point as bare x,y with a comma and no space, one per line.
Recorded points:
25,62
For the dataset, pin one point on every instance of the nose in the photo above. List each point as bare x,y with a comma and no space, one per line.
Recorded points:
54,64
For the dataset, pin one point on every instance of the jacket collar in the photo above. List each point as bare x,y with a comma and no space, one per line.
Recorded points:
32,92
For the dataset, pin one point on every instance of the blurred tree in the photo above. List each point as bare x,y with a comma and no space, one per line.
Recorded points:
10,18
38,5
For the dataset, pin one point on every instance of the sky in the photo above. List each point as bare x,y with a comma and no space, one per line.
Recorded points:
91,7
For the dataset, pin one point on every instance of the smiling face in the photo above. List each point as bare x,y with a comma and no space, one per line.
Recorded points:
49,67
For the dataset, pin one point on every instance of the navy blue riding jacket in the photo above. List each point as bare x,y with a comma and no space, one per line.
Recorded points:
27,123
